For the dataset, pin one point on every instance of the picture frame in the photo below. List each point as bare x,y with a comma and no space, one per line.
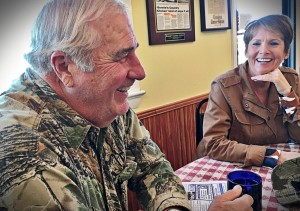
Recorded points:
215,15
170,21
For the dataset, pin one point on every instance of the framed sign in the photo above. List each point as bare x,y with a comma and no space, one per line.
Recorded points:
215,15
170,21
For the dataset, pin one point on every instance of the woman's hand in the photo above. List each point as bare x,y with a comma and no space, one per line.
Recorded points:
287,156
282,85
232,201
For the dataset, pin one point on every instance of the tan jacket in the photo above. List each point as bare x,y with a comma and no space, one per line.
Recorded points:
237,125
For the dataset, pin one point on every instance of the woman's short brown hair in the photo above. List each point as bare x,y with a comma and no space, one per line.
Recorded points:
280,24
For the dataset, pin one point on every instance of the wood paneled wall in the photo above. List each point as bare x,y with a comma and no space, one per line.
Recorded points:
172,128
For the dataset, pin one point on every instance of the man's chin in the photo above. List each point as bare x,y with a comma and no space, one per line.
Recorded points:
123,108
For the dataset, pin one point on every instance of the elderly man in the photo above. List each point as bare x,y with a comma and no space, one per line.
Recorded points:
69,140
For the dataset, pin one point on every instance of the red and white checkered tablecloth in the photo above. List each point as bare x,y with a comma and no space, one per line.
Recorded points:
207,169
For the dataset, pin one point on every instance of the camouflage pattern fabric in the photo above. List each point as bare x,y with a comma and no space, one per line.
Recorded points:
286,181
53,159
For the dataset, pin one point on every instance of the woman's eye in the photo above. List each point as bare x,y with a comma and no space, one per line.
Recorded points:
274,43
256,43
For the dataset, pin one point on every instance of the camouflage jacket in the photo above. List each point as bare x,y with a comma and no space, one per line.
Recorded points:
51,158
286,182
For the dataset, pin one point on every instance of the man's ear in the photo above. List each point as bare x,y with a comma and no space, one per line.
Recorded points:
61,64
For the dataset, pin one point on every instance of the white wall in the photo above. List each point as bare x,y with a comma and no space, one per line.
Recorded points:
259,8
16,20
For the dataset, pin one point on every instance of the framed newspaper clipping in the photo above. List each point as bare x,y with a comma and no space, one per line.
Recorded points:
215,15
170,21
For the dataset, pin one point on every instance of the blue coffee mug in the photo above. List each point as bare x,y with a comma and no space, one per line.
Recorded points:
251,184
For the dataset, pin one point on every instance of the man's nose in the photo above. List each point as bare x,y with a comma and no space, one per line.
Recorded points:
136,70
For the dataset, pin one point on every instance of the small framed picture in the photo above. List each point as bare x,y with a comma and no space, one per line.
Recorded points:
170,21
215,15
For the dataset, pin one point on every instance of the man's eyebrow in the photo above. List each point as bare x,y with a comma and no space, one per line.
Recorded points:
130,48
121,53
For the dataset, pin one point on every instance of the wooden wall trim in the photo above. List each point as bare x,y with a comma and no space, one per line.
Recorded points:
173,128
169,107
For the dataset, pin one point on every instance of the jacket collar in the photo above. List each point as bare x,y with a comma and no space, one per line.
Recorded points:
249,94
75,127
252,104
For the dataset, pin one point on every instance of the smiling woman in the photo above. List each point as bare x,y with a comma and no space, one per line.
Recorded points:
265,107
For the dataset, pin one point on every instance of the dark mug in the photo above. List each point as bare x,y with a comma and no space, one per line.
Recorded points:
251,184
